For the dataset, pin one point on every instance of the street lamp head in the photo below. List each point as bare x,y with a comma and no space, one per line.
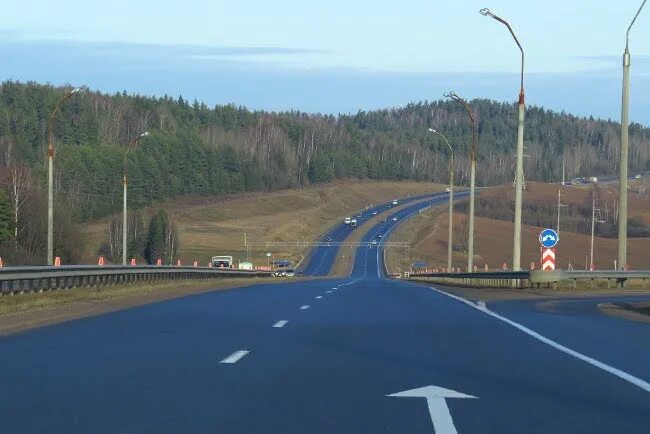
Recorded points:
431,130
485,12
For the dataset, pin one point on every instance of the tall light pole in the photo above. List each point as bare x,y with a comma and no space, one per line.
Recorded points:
622,175
50,175
451,199
519,174
124,184
472,179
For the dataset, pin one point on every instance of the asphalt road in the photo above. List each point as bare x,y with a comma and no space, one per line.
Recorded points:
323,357
321,259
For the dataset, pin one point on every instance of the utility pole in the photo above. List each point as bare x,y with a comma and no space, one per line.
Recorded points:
593,226
622,177
519,173
559,205
563,179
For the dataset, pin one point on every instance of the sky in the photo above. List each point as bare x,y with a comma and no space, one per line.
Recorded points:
338,56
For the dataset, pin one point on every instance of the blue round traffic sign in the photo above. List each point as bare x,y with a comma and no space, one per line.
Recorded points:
548,238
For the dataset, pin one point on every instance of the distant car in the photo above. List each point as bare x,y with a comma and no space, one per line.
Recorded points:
374,213
347,220
289,273
328,239
637,177
394,202
379,235
448,189
374,242
394,219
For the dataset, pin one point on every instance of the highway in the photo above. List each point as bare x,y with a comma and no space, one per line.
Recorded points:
322,258
325,356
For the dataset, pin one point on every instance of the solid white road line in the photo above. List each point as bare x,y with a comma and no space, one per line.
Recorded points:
280,324
304,306
598,364
235,357
319,296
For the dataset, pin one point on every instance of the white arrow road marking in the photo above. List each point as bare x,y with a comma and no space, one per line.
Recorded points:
319,296
438,409
304,306
280,324
235,357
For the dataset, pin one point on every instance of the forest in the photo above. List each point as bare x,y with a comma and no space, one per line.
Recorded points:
193,149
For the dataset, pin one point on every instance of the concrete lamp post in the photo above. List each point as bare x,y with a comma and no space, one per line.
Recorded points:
134,143
519,173
50,174
472,178
622,174
451,199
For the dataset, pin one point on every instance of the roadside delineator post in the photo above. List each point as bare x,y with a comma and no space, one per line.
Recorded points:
178,262
210,265
100,262
196,264
133,262
486,267
532,265
504,266
158,262
475,268
1,262
57,261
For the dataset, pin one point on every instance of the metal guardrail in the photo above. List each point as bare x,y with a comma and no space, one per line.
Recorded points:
36,279
530,278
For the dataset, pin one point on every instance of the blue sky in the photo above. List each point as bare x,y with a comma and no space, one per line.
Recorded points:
335,56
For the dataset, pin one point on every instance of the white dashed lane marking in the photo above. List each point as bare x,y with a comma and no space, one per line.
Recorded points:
304,306
235,357
280,324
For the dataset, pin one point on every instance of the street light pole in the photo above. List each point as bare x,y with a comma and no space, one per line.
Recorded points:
50,175
622,176
472,178
519,174
451,200
124,184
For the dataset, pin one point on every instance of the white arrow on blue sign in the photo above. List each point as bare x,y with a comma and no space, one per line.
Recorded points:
548,238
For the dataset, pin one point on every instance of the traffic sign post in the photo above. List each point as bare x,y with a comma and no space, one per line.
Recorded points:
548,259
548,238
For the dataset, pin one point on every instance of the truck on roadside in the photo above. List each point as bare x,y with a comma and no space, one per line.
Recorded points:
222,262
353,222
347,220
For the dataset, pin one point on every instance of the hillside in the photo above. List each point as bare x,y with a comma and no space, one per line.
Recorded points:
209,226
205,151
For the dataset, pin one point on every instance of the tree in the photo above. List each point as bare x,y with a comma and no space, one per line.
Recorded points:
162,239
5,217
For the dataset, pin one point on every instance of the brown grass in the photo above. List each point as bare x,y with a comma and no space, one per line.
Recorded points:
216,225
493,238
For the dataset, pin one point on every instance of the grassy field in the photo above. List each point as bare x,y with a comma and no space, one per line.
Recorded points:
427,234
216,225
